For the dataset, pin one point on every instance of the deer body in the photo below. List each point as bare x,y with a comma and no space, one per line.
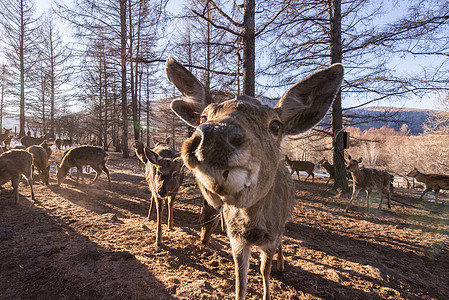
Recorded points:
14,164
330,168
369,180
28,141
235,156
83,156
300,165
433,182
4,136
40,161
164,174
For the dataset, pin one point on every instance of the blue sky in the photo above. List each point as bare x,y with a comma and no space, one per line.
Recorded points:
428,102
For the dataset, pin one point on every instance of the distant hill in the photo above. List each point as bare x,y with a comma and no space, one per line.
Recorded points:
387,116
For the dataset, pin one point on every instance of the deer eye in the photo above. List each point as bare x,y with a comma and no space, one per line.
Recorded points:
275,127
203,119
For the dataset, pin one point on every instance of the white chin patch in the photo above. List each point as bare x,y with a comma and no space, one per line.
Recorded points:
228,181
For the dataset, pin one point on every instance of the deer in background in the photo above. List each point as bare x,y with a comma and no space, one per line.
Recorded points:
369,180
83,156
300,165
330,168
4,136
433,182
235,156
13,165
28,141
164,173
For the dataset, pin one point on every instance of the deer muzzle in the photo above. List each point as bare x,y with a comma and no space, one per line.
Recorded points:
212,144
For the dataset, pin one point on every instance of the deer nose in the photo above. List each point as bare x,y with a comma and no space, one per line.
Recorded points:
226,134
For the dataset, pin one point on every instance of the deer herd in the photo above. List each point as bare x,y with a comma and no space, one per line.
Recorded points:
235,156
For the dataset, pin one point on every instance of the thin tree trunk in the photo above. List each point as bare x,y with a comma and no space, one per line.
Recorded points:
124,144
337,118
22,73
249,46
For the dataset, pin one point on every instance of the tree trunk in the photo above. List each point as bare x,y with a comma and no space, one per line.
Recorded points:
337,118
22,73
249,46
124,143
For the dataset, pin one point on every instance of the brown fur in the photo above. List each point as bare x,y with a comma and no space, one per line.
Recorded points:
83,156
28,141
369,180
435,182
330,168
14,164
235,156
164,174
4,136
300,165
40,161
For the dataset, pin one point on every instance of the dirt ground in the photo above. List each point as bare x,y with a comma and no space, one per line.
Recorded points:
95,242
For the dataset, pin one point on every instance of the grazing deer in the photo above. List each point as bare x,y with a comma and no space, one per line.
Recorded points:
4,136
369,180
235,156
299,165
67,143
58,143
330,168
434,182
14,164
164,174
83,156
40,161
28,141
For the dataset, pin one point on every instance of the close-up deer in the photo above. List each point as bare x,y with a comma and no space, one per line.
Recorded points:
164,173
236,159
13,165
435,182
301,165
369,180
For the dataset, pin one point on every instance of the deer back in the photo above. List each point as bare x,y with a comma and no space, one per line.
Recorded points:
14,163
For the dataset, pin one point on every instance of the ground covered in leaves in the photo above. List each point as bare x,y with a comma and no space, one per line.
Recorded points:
95,242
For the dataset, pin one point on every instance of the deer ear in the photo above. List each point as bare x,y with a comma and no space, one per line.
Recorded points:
307,102
196,97
359,160
151,156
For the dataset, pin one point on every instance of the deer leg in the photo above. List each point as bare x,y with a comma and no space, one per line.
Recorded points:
30,182
159,207
170,201
313,177
106,170
355,193
15,185
79,171
367,201
98,171
151,206
381,200
280,258
437,191
265,269
425,191
299,178
241,255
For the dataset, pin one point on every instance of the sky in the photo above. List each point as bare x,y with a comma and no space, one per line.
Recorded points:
429,102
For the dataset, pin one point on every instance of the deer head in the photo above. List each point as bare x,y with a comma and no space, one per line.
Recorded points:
235,150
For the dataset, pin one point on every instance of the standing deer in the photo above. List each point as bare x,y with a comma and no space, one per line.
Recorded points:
40,161
164,174
236,159
83,156
369,180
14,164
4,136
330,168
434,182
28,141
300,165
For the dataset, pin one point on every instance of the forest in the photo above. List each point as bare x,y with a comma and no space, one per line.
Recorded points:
100,83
